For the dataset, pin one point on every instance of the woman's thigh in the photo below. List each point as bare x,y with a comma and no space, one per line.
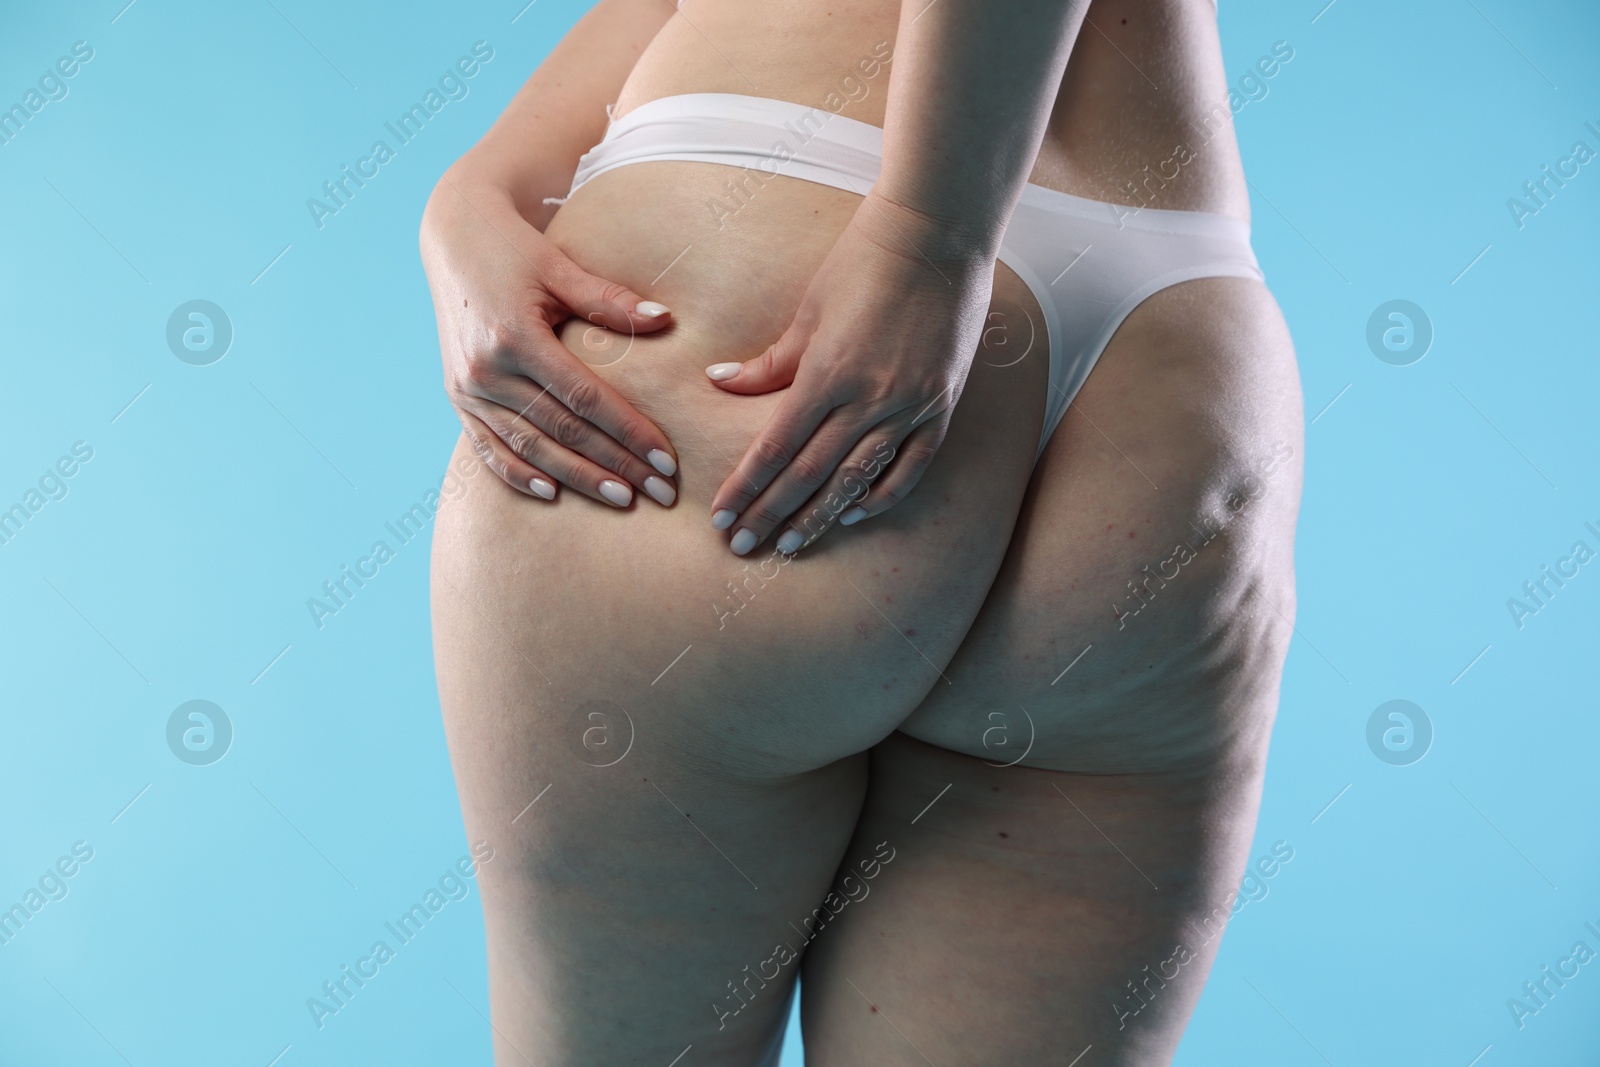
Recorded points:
660,739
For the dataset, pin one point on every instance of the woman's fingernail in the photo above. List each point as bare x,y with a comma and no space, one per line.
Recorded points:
660,490
790,542
616,492
542,488
852,516
662,462
650,309
723,519
742,542
721,372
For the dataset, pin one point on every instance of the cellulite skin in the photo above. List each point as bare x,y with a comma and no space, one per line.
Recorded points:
711,739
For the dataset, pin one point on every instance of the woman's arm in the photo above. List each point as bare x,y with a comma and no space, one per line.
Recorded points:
534,411
973,85
880,348
532,150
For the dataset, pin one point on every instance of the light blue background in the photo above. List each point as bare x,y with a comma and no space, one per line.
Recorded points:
179,563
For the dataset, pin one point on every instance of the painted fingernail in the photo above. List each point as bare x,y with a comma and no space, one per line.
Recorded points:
742,542
542,488
723,519
662,462
721,372
616,492
790,542
852,516
660,490
650,309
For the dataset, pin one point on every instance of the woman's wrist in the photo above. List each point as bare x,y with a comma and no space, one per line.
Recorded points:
946,241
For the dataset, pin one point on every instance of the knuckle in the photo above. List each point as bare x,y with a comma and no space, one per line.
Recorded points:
570,471
772,452
566,426
583,398
918,457
612,293
627,426
502,470
808,470
632,438
884,393
476,372
521,439
501,340
489,456
480,448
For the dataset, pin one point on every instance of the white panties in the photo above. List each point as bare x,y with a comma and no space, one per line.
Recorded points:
1088,263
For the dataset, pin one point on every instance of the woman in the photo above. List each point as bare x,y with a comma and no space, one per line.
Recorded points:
984,767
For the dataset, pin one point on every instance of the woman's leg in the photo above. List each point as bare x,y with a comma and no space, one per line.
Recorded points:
1078,898
1028,915
662,741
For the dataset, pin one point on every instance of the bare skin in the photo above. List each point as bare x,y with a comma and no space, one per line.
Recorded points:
763,743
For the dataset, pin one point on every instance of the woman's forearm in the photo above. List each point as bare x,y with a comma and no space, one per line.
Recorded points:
970,96
532,150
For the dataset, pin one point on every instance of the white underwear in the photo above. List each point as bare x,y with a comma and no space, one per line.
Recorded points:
1088,263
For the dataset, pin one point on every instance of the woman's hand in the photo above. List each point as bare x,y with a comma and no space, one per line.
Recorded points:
536,413
875,360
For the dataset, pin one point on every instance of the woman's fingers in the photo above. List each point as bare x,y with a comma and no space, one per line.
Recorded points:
586,395
534,448
538,406
583,411
773,369
816,462
843,491
777,446
510,467
794,472
910,462
607,304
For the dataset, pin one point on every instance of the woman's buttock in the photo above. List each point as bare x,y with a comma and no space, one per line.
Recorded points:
770,664
764,663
